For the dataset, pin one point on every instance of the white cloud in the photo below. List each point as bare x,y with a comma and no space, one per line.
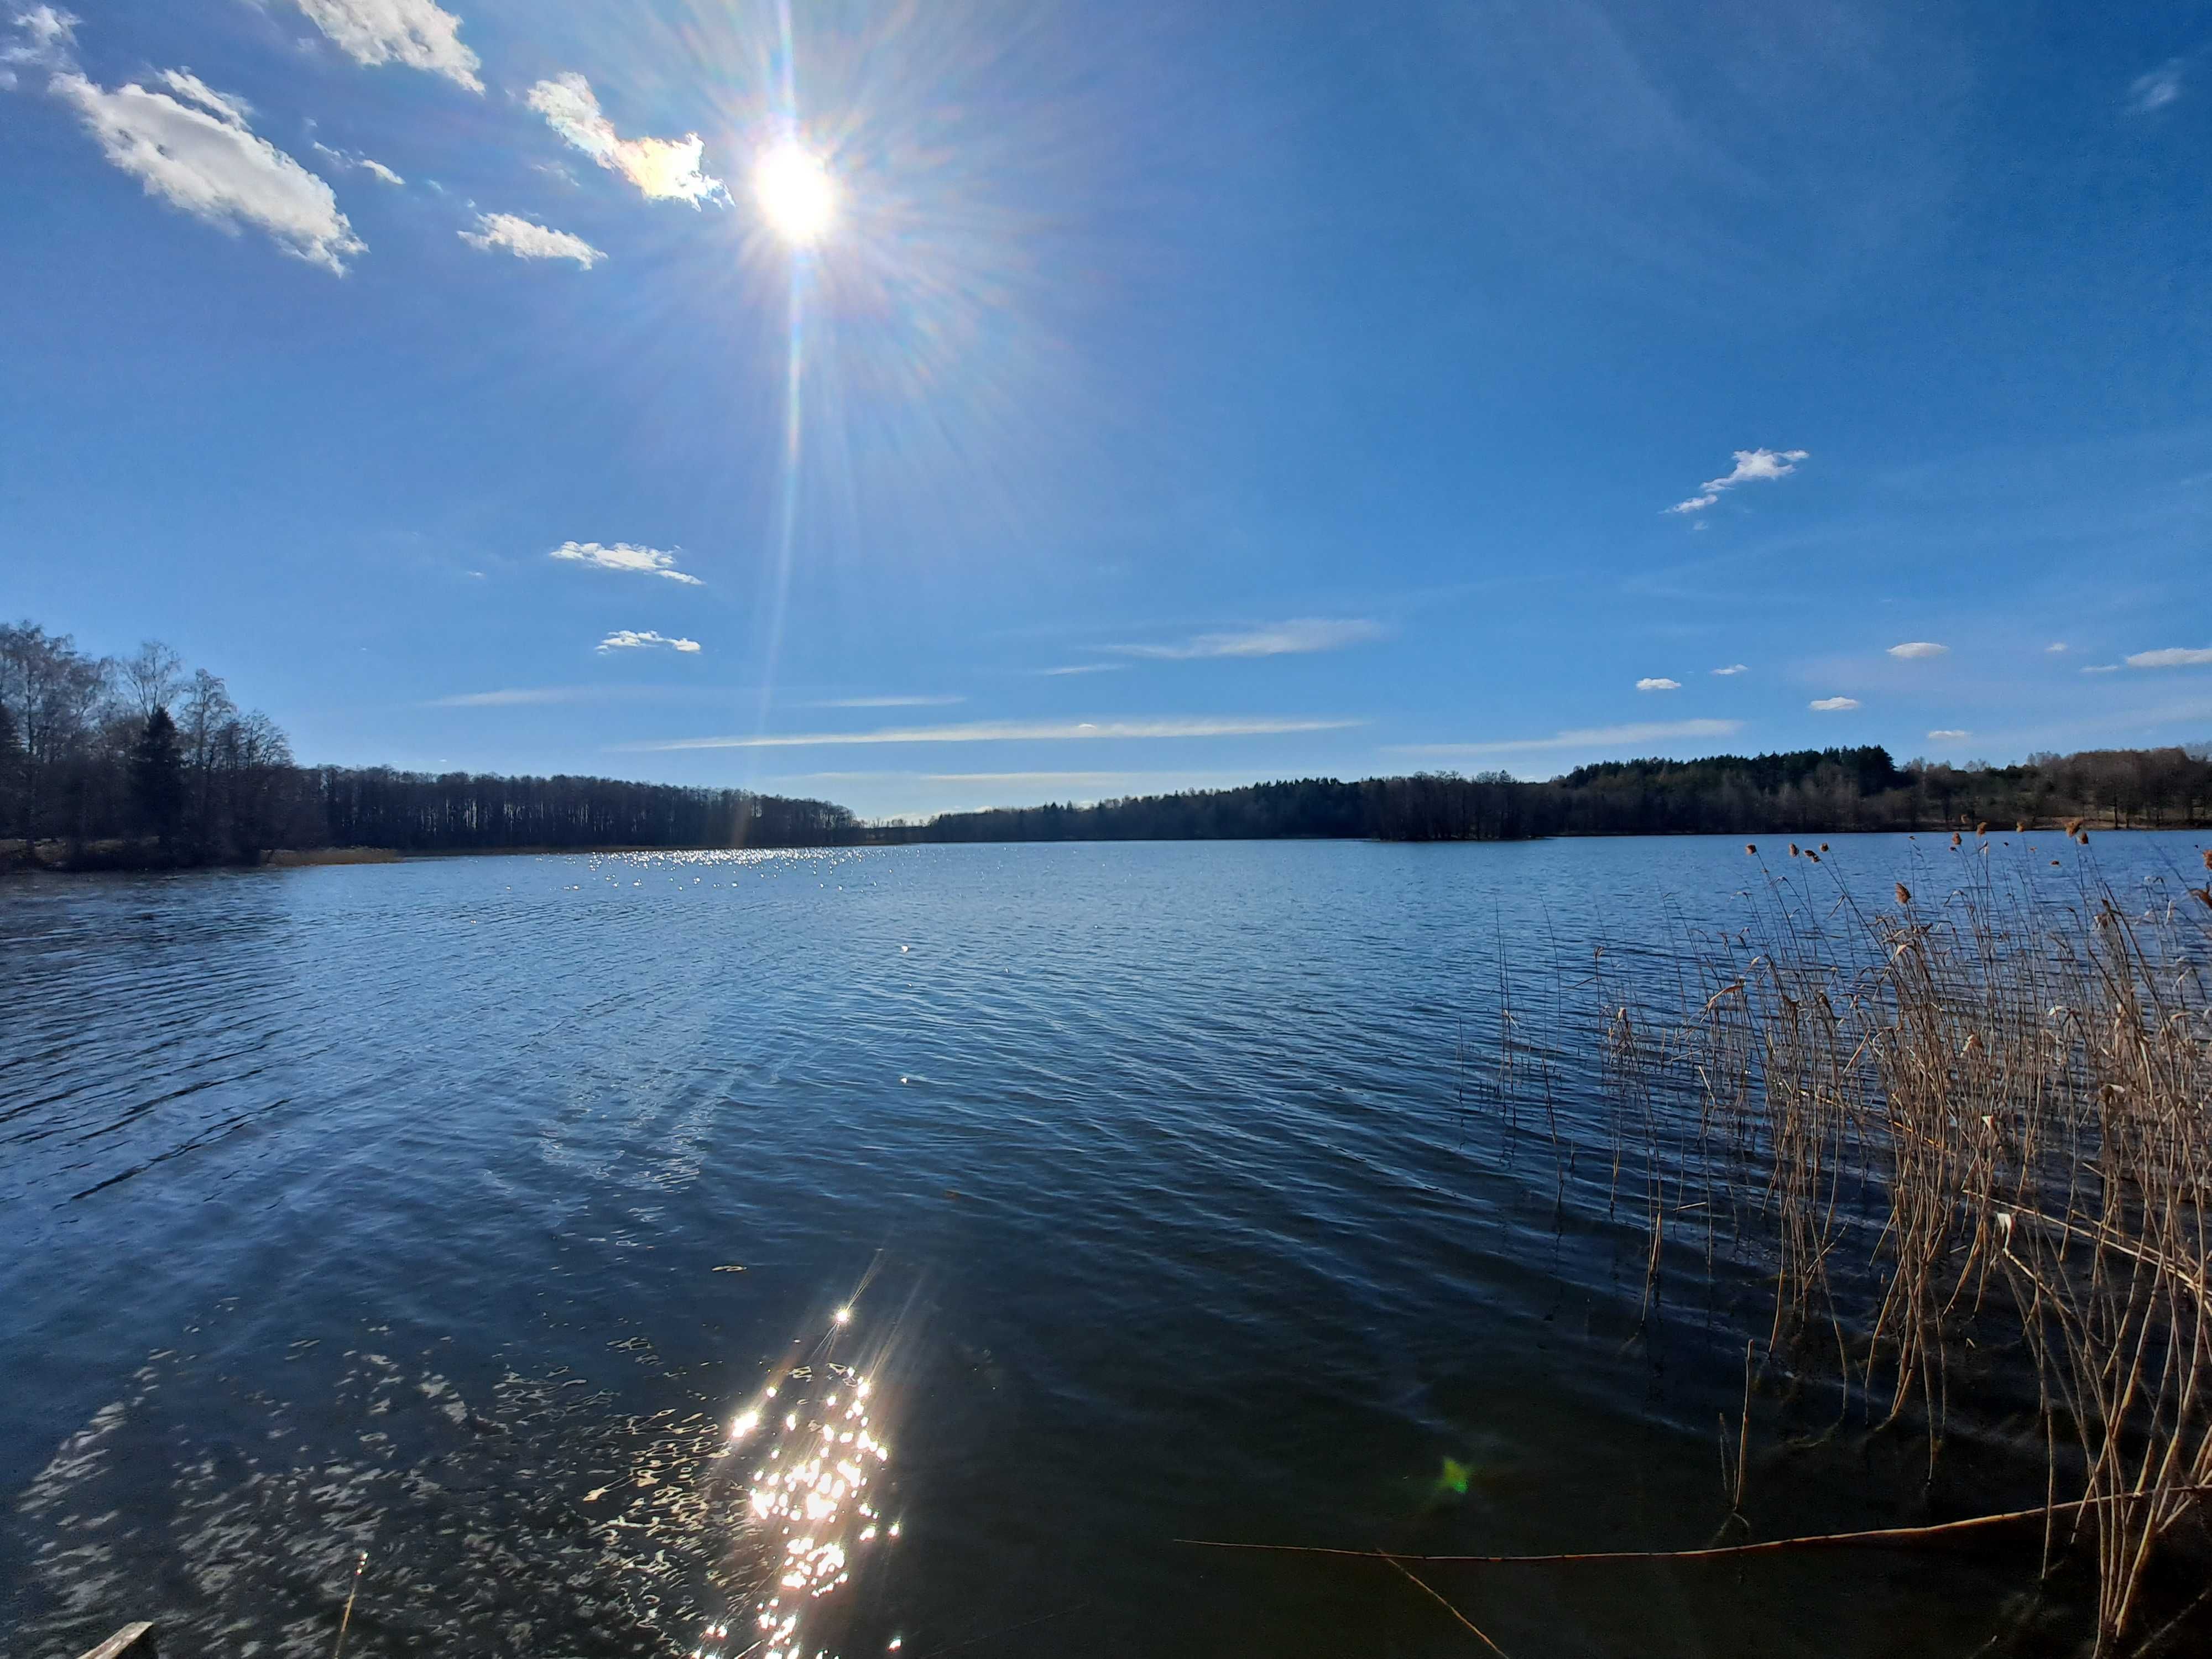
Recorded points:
1281,639
2056,648
1831,705
1948,734
2157,88
49,34
346,158
645,561
1733,668
1016,732
885,702
527,240
1751,465
2176,657
514,697
1658,685
1915,648
1597,737
665,169
632,639
415,33
192,147
1085,668
2102,668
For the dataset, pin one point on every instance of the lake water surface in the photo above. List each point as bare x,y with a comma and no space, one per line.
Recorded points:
1029,1209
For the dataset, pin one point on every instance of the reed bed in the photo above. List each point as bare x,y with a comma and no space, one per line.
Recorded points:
1976,1113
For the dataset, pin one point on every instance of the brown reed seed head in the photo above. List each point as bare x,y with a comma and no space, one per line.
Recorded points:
2073,828
1954,838
1793,850
2204,893
1982,828
2207,858
1904,894
1751,848
1813,855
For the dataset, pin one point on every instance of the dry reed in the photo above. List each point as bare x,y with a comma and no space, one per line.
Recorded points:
1987,1113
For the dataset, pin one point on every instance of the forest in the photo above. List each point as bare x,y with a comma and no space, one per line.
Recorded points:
136,763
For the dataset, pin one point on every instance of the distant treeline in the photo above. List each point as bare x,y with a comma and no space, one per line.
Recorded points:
1429,806
457,812
1805,792
134,762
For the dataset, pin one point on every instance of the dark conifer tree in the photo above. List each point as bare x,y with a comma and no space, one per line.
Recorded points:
157,778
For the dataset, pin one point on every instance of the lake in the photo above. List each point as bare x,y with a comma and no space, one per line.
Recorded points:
794,1253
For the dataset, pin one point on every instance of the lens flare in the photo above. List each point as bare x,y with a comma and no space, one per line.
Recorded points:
795,193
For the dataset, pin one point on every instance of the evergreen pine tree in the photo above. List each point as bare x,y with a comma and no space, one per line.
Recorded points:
157,777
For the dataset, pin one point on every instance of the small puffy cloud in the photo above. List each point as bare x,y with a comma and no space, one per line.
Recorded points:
528,241
415,33
1913,650
1751,467
2056,648
665,169
1658,685
633,639
2177,657
1733,668
1831,705
346,158
1281,639
1948,734
2157,88
195,149
643,560
2102,668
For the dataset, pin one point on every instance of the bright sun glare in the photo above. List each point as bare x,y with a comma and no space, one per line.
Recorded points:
796,194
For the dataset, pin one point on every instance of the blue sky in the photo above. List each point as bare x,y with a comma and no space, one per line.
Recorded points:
1174,395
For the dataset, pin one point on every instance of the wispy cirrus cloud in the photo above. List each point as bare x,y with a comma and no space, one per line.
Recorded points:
885,703
1733,668
2174,657
1593,737
414,33
622,555
1948,734
1300,635
1084,668
347,158
2102,668
663,169
1658,684
632,639
1914,649
1013,732
1751,465
195,149
527,240
1832,705
2160,88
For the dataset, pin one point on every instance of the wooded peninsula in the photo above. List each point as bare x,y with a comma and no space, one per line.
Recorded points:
133,763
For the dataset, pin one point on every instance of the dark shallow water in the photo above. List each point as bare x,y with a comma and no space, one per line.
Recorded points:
454,1211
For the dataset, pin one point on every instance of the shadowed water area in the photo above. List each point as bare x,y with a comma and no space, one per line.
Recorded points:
1024,1210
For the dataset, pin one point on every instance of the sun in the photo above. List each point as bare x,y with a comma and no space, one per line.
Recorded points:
797,195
